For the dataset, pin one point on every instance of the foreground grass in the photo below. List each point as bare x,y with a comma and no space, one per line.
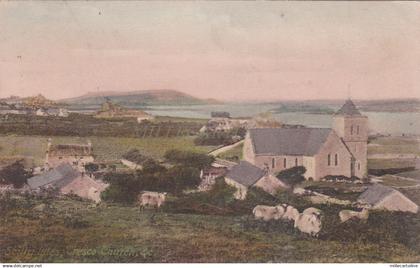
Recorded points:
125,234
105,148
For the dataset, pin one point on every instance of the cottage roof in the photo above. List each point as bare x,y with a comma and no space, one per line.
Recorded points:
59,176
376,193
69,150
288,141
348,108
245,173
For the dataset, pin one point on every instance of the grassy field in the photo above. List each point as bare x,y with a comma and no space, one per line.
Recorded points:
72,231
105,148
234,154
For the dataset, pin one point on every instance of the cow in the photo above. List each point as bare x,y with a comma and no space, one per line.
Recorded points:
309,222
268,213
346,215
151,199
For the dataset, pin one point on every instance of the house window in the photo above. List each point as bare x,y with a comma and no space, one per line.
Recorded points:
284,163
336,159
273,163
358,166
296,162
351,130
357,130
329,159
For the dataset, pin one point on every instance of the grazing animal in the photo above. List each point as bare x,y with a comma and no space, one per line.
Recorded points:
312,210
268,213
346,215
291,213
152,199
309,222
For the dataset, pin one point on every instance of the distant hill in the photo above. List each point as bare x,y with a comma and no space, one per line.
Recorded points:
136,98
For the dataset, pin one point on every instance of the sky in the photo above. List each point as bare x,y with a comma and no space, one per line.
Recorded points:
224,50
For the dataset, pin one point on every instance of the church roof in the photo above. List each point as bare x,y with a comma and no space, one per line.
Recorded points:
288,141
348,108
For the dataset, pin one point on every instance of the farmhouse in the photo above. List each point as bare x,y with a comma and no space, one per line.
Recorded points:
245,175
75,154
340,150
384,197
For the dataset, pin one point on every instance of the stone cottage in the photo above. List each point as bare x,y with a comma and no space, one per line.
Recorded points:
245,175
384,197
340,150
75,154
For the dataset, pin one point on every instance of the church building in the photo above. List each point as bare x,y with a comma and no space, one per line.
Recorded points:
340,150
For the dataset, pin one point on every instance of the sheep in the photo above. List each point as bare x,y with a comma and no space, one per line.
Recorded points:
153,199
268,213
346,215
291,213
309,221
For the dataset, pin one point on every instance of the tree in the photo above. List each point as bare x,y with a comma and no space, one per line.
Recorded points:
15,174
184,177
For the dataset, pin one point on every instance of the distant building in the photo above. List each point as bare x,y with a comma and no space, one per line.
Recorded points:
75,154
383,197
220,115
111,110
340,151
245,175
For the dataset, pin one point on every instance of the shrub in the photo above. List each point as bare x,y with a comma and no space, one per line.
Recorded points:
135,156
188,158
292,176
14,174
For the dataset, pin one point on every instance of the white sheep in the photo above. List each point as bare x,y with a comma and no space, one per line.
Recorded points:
268,213
309,221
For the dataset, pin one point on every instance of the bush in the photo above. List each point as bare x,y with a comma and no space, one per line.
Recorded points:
14,174
292,176
135,156
188,158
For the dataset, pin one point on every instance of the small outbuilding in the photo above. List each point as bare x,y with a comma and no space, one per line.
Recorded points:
383,197
68,180
245,175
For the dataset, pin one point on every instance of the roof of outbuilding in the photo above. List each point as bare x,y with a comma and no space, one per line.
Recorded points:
375,193
348,108
59,176
245,173
288,141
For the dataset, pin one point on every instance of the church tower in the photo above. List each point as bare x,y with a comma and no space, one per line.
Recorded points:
352,127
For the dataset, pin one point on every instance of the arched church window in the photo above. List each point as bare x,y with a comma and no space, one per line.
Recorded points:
336,159
273,163
284,162
329,159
